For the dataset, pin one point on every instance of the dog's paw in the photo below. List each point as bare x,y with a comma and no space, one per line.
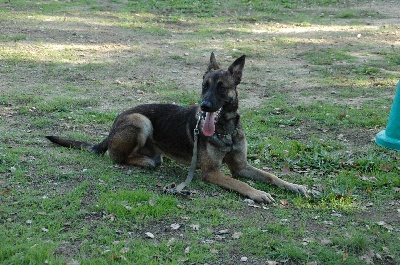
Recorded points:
298,189
261,197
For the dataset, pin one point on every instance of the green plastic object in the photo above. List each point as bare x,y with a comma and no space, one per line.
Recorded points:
390,138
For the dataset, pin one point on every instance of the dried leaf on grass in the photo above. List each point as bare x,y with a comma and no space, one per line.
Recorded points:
223,232
326,241
285,170
175,226
149,235
171,241
254,205
195,227
124,250
386,167
368,257
336,214
284,202
306,241
385,225
128,207
219,237
249,201
368,178
183,259
237,235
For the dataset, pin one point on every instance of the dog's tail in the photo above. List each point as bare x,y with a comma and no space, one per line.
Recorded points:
99,149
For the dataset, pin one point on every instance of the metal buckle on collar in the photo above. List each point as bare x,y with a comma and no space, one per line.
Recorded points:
200,115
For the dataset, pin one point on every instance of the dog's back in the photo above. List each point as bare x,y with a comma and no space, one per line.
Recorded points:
172,128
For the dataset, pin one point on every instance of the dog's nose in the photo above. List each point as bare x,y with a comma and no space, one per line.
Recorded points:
205,105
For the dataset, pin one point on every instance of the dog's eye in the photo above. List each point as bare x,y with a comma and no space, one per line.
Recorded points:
205,85
220,86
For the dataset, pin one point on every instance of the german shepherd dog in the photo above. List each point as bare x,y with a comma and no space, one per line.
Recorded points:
142,135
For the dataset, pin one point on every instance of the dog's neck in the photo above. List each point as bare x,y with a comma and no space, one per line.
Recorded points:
228,119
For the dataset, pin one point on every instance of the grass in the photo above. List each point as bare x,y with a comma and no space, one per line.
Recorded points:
311,105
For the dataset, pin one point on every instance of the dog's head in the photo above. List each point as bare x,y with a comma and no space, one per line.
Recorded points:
219,86
219,91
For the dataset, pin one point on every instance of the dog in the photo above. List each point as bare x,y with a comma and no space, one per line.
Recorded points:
142,135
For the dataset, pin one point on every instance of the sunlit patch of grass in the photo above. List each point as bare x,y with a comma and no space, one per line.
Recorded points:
40,54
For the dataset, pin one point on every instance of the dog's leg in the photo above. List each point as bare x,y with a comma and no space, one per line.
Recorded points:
251,172
129,141
242,188
237,163
141,161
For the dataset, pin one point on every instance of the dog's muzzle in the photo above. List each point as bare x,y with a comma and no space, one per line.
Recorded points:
206,106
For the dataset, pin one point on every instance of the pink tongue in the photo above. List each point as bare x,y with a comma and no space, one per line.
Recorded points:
209,126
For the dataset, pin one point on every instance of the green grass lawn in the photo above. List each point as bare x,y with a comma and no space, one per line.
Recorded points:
318,84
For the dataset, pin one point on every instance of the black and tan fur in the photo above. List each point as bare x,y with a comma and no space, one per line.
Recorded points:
142,135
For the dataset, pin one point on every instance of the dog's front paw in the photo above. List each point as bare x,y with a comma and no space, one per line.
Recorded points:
261,196
298,189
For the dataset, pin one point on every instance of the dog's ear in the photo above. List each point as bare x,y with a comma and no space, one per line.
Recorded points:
213,63
236,69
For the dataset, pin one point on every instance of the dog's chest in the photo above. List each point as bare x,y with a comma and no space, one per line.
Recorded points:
224,143
228,142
